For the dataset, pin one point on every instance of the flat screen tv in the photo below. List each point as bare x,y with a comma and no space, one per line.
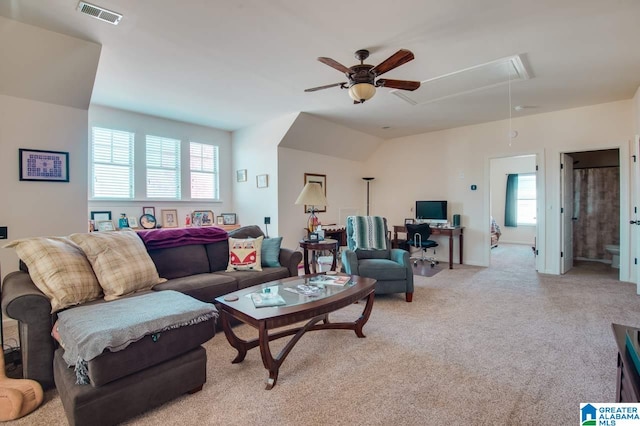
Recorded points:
431,211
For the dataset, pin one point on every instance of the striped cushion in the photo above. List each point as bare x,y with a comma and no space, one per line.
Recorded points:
60,269
120,261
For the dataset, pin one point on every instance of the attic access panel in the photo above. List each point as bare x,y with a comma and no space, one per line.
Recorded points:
468,80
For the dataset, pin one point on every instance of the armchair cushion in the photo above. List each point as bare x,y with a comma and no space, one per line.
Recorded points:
382,269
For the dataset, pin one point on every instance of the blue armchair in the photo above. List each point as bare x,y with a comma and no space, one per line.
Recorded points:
369,254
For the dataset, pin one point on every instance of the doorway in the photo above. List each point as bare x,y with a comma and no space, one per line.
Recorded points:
590,209
514,228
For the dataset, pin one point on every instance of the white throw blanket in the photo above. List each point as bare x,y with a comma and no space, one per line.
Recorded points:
87,331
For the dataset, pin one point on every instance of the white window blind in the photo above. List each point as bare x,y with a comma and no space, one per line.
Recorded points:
204,170
112,163
163,167
526,199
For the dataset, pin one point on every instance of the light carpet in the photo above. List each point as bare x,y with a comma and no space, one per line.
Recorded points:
492,346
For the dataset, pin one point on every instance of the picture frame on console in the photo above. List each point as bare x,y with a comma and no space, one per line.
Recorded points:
100,215
149,210
409,221
228,218
220,220
202,218
105,225
169,218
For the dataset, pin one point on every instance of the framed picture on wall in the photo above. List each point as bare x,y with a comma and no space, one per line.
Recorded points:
44,166
262,181
322,180
241,175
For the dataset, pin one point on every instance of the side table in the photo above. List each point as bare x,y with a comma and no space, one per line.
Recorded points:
324,245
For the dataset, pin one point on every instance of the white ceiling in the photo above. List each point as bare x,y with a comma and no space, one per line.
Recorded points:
231,64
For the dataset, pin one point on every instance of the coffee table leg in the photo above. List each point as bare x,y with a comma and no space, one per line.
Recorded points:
234,341
360,322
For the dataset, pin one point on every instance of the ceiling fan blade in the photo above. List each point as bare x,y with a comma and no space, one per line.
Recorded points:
398,84
402,56
335,64
313,89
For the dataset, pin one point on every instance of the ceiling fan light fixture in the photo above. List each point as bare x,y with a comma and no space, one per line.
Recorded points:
361,92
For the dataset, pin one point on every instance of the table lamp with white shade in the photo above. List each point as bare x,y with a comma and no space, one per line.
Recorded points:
312,195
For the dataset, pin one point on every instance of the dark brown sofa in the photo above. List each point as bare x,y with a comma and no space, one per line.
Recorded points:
196,270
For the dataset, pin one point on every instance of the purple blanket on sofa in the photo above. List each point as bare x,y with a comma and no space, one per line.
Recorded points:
164,238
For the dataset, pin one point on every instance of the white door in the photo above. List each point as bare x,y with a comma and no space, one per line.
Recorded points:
566,213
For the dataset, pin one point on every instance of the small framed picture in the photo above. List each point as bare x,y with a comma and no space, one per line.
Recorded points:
169,218
44,166
220,220
241,175
98,216
228,218
202,218
133,222
313,236
105,225
149,210
408,221
148,221
262,181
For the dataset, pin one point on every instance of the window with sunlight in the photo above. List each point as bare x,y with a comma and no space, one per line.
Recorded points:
204,170
111,163
163,168
526,199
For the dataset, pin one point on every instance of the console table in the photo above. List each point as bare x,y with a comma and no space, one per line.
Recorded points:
628,381
450,232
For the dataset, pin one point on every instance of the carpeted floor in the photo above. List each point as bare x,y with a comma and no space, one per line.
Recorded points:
493,346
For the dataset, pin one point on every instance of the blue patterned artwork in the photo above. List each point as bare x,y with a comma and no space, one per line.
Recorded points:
37,165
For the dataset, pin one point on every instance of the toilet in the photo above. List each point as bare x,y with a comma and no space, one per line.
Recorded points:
615,252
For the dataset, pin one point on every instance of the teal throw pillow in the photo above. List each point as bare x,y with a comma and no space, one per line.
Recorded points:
271,251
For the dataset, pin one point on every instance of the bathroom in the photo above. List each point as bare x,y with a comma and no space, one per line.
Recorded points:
596,226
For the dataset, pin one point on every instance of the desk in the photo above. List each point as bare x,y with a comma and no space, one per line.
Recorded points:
326,244
450,232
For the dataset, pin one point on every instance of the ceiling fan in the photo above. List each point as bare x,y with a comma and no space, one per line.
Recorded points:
361,79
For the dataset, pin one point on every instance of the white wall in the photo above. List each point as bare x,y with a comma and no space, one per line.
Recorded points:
255,149
41,208
345,190
443,165
142,125
500,168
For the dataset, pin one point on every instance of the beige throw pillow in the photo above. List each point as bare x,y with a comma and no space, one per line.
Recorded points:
245,254
60,269
120,261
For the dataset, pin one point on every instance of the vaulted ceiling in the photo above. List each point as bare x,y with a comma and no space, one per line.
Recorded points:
231,64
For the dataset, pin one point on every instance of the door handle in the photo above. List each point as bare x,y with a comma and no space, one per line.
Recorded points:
634,222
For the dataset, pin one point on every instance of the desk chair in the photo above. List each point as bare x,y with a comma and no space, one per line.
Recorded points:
418,237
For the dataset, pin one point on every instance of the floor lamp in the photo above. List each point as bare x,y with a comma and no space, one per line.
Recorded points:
368,179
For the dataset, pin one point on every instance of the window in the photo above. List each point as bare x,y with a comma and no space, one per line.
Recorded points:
204,170
111,163
526,199
163,167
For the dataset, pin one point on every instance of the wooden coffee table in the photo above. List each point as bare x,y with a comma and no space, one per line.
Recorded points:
314,308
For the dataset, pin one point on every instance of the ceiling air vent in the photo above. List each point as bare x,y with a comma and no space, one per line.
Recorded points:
468,80
99,13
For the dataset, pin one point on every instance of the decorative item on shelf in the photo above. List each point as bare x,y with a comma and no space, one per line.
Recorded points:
105,225
123,222
48,166
148,221
169,218
187,220
220,220
241,175
133,222
312,195
228,218
149,210
202,218
102,215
